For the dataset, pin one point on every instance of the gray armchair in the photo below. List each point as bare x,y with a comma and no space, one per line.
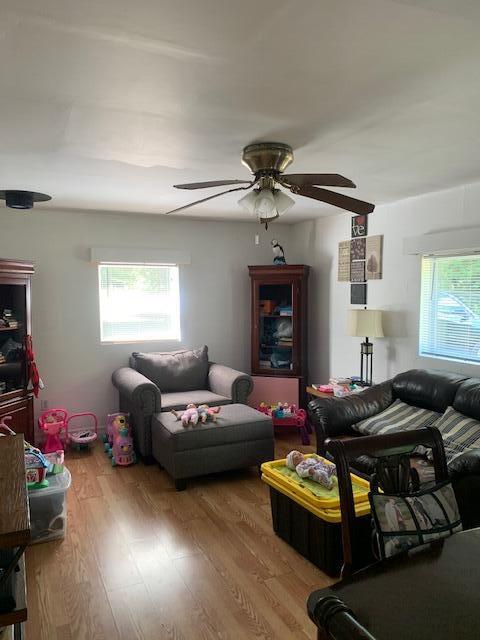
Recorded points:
156,382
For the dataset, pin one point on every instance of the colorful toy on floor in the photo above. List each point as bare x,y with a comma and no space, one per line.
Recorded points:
122,449
114,422
82,436
52,422
288,415
314,468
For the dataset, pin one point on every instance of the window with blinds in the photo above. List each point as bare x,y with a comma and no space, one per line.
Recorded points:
139,302
450,308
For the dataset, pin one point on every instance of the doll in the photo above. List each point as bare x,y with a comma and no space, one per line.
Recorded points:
208,413
314,468
189,416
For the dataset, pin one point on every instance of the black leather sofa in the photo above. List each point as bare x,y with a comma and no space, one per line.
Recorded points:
426,388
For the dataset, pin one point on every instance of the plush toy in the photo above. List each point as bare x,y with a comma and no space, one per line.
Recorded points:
208,413
189,416
283,329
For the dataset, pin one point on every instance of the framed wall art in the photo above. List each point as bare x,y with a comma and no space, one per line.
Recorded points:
358,294
357,249
344,261
374,257
357,271
359,226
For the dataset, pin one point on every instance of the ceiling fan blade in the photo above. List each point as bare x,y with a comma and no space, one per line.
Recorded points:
206,185
191,204
335,199
322,179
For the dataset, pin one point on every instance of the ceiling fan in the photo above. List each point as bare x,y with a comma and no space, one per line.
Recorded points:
267,161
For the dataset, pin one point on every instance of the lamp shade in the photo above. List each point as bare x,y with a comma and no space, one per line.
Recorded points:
365,323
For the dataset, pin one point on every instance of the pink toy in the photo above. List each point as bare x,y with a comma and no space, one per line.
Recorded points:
52,422
82,436
114,422
122,450
284,415
189,416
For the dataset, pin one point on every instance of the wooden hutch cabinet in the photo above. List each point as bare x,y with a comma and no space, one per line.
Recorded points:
15,323
279,331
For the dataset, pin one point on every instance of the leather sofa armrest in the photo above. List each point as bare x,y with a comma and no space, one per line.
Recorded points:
140,397
333,417
467,464
229,383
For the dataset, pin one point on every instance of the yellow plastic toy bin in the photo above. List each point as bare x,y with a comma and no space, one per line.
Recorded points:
308,517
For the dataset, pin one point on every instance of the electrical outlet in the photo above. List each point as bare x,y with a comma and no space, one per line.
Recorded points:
43,405
257,239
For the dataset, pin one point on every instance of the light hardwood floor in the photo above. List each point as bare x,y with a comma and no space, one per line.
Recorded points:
142,561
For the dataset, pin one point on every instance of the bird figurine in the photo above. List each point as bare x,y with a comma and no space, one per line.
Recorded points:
278,254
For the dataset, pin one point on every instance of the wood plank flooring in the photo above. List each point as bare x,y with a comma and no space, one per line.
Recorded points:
143,561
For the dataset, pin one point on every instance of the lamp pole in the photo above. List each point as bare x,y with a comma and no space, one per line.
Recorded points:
366,362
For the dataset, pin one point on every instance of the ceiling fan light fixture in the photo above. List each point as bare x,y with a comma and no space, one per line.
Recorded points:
267,162
248,201
282,202
265,203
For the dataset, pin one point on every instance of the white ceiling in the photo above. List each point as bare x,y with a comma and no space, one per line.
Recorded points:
105,104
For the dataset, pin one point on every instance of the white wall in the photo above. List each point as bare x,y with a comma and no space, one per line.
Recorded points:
332,352
215,302
215,288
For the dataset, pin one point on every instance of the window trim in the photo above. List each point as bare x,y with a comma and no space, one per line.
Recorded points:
116,263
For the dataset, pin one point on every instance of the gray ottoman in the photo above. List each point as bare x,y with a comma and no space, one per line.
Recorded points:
241,437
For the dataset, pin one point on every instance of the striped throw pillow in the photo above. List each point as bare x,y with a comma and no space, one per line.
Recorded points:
460,433
399,416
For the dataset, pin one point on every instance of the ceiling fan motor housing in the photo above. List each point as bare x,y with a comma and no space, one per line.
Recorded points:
266,158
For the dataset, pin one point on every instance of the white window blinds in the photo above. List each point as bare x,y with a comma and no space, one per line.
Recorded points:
450,307
139,302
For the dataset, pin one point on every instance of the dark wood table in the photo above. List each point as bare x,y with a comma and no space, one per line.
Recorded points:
14,524
432,592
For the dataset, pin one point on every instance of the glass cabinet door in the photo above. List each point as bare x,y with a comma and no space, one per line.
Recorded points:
276,327
12,335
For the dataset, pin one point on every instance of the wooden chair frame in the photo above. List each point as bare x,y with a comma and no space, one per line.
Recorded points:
397,449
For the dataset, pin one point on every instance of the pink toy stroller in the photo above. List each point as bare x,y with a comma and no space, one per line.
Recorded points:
82,436
52,422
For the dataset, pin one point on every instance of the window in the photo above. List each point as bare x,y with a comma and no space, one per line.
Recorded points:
450,308
139,302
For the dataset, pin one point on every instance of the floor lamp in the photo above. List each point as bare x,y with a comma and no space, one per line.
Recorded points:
365,323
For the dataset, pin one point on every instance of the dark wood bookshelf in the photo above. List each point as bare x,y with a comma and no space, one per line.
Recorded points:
272,288
15,294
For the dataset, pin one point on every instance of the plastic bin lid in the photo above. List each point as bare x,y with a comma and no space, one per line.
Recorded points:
326,508
56,483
